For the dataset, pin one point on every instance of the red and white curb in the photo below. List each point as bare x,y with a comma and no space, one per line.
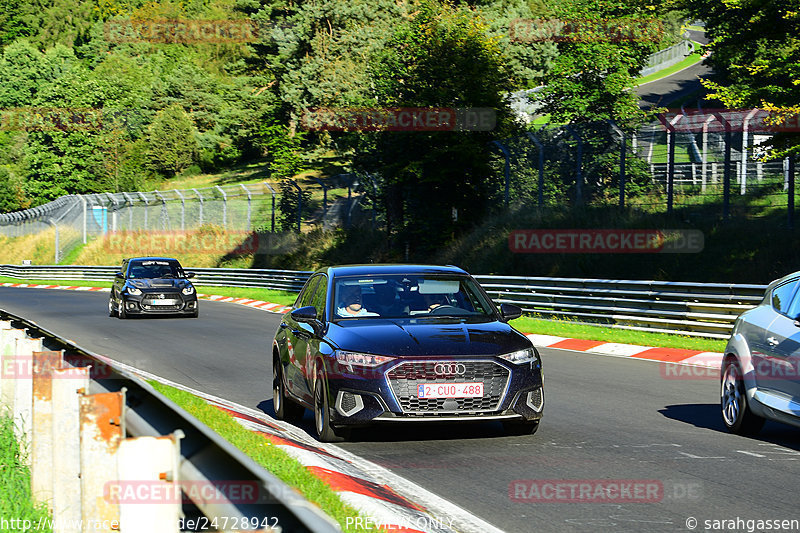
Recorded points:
255,304
385,500
676,356
62,287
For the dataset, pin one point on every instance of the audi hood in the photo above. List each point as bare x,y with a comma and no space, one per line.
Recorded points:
426,337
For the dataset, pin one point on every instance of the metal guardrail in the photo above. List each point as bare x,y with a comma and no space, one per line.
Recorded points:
286,280
204,459
696,309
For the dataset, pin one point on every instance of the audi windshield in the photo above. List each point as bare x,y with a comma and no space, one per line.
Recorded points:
409,297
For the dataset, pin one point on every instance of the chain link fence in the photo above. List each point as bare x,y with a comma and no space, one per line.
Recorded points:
689,160
76,218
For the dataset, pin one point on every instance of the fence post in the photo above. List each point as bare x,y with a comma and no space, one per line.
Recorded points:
790,199
272,191
83,201
540,150
146,205
200,199
726,171
506,168
299,204
183,209
130,210
224,206
249,205
621,163
578,166
23,389
55,227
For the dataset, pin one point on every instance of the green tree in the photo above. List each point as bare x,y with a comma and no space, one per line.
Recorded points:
591,77
755,51
437,183
172,142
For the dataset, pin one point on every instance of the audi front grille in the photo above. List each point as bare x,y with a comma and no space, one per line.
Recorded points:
405,378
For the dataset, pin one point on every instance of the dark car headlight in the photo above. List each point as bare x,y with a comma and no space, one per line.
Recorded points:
188,290
361,359
528,355
133,291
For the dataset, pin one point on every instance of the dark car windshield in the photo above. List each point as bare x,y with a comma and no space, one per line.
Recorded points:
155,269
409,296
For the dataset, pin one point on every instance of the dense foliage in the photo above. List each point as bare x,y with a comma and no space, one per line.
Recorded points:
755,47
86,109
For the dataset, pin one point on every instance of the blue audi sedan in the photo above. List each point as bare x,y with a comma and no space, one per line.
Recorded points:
368,344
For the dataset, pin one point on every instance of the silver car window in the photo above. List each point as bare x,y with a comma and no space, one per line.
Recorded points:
782,296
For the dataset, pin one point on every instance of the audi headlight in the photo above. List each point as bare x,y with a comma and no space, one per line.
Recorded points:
361,359
521,356
188,290
133,291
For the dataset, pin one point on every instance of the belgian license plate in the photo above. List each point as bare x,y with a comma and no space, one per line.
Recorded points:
163,302
450,390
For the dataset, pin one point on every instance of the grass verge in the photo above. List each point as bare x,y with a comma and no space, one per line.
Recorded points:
560,328
264,453
16,501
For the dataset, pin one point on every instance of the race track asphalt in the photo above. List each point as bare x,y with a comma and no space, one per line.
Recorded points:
605,419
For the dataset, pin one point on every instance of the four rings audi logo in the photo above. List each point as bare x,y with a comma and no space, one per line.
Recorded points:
449,369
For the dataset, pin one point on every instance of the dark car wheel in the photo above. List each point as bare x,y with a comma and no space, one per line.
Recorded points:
195,314
285,409
515,427
121,314
322,416
111,311
736,412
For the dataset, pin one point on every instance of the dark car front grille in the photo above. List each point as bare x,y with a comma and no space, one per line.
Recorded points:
405,378
150,301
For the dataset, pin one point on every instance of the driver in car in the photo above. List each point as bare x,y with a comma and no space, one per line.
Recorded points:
350,303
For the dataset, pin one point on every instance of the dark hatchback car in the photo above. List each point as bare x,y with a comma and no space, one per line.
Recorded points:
152,286
403,343
760,376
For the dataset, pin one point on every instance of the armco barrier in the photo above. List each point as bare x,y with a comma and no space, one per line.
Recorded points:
697,309
110,451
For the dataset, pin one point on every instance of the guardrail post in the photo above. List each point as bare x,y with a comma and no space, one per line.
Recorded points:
67,383
9,363
23,390
154,463
42,445
102,430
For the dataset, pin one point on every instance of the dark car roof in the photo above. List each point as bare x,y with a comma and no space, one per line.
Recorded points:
393,268
154,258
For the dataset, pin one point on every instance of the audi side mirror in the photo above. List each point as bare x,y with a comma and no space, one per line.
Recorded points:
190,275
510,312
306,314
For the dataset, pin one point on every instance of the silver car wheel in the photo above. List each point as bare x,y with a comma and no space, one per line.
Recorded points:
731,395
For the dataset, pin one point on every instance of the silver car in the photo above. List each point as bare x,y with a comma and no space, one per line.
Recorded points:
761,368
